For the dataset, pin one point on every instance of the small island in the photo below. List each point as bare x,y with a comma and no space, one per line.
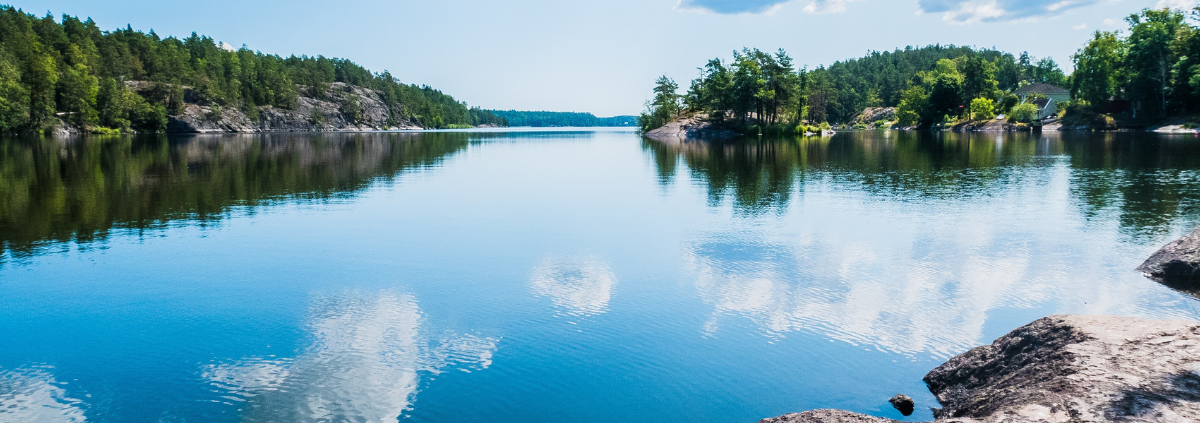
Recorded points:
1137,79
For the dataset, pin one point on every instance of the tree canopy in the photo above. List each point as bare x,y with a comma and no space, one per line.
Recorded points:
133,80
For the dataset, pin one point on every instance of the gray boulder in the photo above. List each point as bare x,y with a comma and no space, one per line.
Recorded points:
1065,369
1077,369
903,403
826,416
1176,264
696,127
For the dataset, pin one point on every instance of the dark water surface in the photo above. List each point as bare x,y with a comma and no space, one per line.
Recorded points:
546,276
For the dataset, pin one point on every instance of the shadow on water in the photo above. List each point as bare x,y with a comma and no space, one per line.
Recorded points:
1147,180
54,191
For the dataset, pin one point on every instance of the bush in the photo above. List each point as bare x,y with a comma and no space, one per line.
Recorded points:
983,109
1008,102
350,109
1024,113
824,126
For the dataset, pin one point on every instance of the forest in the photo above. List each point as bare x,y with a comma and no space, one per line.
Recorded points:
69,69
539,119
1147,72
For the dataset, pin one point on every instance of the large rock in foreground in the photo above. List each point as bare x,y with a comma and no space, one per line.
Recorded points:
1066,369
1176,264
826,416
1077,369
690,128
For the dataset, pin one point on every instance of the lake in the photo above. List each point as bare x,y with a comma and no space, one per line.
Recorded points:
582,275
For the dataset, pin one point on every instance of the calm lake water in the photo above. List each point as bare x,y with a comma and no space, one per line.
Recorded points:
554,276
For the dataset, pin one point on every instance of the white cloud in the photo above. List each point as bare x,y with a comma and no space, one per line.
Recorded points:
1110,22
1175,4
1080,26
826,6
972,11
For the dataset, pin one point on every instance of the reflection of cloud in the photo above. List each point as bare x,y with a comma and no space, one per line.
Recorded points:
968,11
906,292
32,395
581,285
363,363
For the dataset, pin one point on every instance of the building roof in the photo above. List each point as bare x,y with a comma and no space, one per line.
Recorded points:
1041,102
1041,88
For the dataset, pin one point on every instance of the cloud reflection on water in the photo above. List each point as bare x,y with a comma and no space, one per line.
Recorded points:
364,363
31,394
913,294
582,286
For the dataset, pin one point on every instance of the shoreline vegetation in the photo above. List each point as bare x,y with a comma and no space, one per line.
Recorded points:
69,76
66,76
1146,77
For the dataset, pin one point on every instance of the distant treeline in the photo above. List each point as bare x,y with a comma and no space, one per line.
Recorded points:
550,119
1149,72
71,69
761,88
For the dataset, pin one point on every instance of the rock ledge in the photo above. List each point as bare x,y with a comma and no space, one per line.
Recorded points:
1065,368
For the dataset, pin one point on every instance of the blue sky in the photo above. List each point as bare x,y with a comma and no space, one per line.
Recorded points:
602,56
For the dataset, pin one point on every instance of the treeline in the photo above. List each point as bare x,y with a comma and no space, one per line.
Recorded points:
553,119
1150,72
765,89
72,70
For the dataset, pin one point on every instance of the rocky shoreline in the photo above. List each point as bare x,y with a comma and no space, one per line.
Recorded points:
1073,368
310,115
1064,368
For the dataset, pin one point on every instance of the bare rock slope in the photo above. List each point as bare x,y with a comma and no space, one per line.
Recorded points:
1066,369
690,128
310,114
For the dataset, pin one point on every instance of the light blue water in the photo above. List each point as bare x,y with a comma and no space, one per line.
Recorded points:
581,275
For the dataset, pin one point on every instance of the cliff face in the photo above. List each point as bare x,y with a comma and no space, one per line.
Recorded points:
329,113
690,128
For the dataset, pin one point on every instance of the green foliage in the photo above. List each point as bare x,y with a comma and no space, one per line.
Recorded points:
844,89
664,107
350,109
1008,101
1024,113
1097,76
983,109
50,66
486,117
539,119
315,117
756,86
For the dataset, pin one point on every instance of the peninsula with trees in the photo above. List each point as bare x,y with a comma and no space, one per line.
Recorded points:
67,75
1143,77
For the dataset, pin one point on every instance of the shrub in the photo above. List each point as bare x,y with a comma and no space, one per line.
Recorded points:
983,108
1024,113
1008,102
